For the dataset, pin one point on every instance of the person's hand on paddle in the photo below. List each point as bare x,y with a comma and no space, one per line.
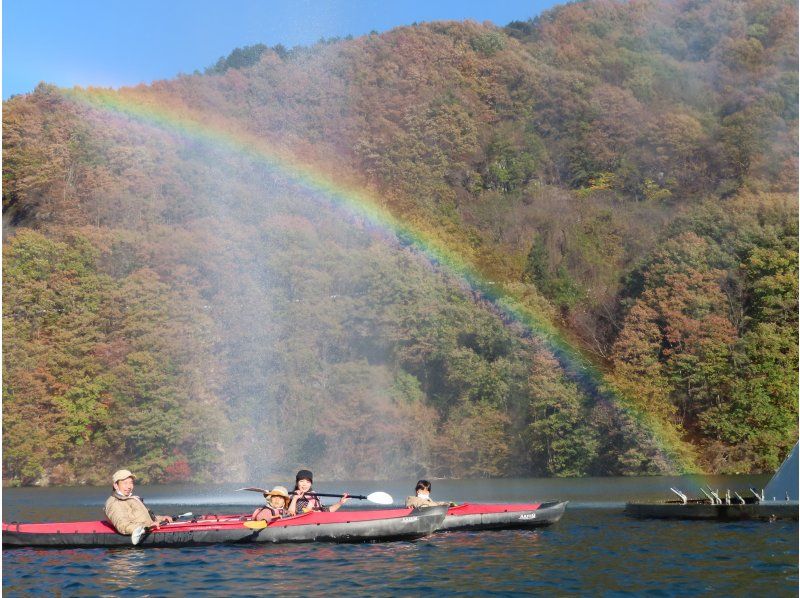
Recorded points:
162,519
335,507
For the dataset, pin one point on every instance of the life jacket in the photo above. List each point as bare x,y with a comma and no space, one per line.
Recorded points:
274,512
309,502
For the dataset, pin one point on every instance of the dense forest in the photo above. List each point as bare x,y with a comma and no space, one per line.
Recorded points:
620,178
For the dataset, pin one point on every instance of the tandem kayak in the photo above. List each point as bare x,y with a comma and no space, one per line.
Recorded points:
341,526
502,516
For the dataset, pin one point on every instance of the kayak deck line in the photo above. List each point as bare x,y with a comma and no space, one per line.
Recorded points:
471,508
104,527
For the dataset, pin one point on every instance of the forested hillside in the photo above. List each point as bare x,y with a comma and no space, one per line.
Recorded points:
621,178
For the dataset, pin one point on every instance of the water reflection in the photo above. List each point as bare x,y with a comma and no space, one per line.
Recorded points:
124,569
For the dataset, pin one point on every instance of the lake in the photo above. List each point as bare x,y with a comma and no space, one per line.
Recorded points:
593,550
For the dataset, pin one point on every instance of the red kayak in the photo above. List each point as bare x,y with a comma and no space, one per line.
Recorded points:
503,516
473,516
341,526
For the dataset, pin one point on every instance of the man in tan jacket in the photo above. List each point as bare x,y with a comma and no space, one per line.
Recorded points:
128,513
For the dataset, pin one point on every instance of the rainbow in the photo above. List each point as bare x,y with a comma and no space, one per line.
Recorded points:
177,118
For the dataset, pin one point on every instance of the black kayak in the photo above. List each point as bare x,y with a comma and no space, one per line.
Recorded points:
778,500
377,525
752,510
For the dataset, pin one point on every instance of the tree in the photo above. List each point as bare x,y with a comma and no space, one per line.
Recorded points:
560,440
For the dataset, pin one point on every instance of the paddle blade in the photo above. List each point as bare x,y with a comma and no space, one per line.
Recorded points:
253,489
255,524
380,498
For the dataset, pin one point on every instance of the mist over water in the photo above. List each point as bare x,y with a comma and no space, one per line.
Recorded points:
308,339
290,287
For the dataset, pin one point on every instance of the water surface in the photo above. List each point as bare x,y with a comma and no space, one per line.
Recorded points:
593,550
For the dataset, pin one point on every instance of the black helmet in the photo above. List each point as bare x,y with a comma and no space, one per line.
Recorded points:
304,474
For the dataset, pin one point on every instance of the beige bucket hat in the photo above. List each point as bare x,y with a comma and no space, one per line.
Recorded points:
278,491
121,474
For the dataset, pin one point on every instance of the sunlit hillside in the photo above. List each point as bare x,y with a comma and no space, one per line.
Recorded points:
564,247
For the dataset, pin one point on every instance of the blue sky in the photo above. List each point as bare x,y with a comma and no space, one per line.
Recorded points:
126,42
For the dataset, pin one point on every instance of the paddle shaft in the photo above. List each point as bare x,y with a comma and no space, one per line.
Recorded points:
312,493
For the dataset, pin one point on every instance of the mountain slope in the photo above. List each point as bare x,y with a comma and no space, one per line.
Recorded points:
623,176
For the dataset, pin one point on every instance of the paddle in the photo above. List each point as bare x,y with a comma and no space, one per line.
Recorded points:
379,498
260,524
176,517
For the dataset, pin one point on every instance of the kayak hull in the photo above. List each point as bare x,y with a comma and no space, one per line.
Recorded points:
342,526
403,524
90,534
510,516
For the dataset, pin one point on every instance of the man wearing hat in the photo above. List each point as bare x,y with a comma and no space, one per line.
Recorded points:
127,512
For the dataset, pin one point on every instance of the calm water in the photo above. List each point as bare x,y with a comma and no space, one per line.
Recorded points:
593,550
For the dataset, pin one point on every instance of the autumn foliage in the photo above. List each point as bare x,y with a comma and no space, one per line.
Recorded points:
625,172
